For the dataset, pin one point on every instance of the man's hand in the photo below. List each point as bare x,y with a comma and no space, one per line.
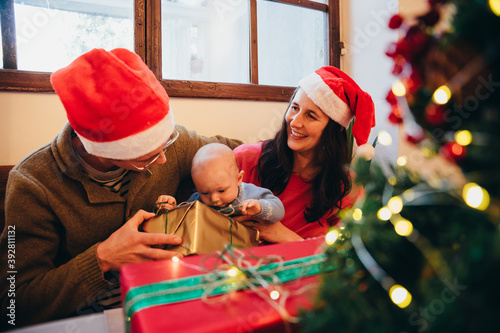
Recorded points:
128,245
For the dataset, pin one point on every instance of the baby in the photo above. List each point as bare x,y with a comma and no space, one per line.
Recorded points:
218,182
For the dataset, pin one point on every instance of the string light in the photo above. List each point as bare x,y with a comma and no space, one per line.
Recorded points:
495,6
384,214
392,180
402,160
331,237
395,204
475,196
398,89
384,138
442,95
463,138
175,259
357,214
400,296
232,272
274,294
403,227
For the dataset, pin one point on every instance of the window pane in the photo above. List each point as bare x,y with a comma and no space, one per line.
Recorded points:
292,42
51,34
206,40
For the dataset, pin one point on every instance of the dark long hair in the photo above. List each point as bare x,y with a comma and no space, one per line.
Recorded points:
329,186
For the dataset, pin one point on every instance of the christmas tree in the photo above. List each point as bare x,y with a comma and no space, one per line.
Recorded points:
420,254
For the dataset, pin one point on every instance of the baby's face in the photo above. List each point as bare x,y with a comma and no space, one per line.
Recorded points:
217,184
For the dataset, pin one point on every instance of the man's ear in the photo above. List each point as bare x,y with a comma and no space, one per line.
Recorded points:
240,177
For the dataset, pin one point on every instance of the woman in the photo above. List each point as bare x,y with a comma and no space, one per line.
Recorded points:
305,163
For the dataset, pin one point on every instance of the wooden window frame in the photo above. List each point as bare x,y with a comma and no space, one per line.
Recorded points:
147,45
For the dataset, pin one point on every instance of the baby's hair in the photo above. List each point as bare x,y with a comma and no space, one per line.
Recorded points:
213,151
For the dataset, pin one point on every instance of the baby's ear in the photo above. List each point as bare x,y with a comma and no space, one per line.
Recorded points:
240,177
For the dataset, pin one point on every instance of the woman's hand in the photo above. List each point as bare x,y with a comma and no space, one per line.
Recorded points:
270,232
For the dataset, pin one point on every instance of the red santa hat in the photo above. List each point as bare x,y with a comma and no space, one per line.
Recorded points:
341,99
114,103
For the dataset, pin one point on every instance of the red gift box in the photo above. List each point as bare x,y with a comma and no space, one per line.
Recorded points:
244,310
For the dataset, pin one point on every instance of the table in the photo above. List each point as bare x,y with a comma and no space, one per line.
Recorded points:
109,321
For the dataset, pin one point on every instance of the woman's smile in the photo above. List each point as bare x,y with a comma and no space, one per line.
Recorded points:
296,134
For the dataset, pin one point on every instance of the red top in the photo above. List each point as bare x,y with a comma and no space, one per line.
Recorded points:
295,197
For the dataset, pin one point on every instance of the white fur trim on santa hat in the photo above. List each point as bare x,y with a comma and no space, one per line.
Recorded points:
135,145
365,150
323,96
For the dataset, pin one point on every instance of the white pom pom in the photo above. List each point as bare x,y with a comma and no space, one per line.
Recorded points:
366,151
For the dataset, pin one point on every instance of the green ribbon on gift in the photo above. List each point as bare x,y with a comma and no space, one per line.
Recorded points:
196,287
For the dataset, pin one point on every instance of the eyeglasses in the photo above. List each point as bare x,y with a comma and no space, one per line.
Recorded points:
157,156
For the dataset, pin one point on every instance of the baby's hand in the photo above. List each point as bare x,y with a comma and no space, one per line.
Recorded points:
167,202
250,207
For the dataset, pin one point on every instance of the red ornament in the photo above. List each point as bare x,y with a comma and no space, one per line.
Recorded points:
434,114
391,98
395,21
403,48
396,115
391,50
409,84
415,139
416,39
414,133
397,69
415,81
453,151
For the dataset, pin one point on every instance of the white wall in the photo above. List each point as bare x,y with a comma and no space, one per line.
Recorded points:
367,41
29,120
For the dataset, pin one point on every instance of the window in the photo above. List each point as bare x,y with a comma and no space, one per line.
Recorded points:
239,49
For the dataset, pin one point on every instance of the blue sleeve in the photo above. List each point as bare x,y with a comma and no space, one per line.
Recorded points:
272,207
195,196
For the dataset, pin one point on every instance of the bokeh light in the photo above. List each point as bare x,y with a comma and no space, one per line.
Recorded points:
331,237
384,214
384,138
395,204
495,6
232,272
442,95
475,196
403,227
398,89
357,214
402,160
463,138
400,296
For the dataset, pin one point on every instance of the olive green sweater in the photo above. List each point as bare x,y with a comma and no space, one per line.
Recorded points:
59,216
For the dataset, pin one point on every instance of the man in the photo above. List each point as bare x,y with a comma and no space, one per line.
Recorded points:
75,205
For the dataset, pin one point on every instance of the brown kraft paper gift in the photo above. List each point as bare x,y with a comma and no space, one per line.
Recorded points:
203,229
